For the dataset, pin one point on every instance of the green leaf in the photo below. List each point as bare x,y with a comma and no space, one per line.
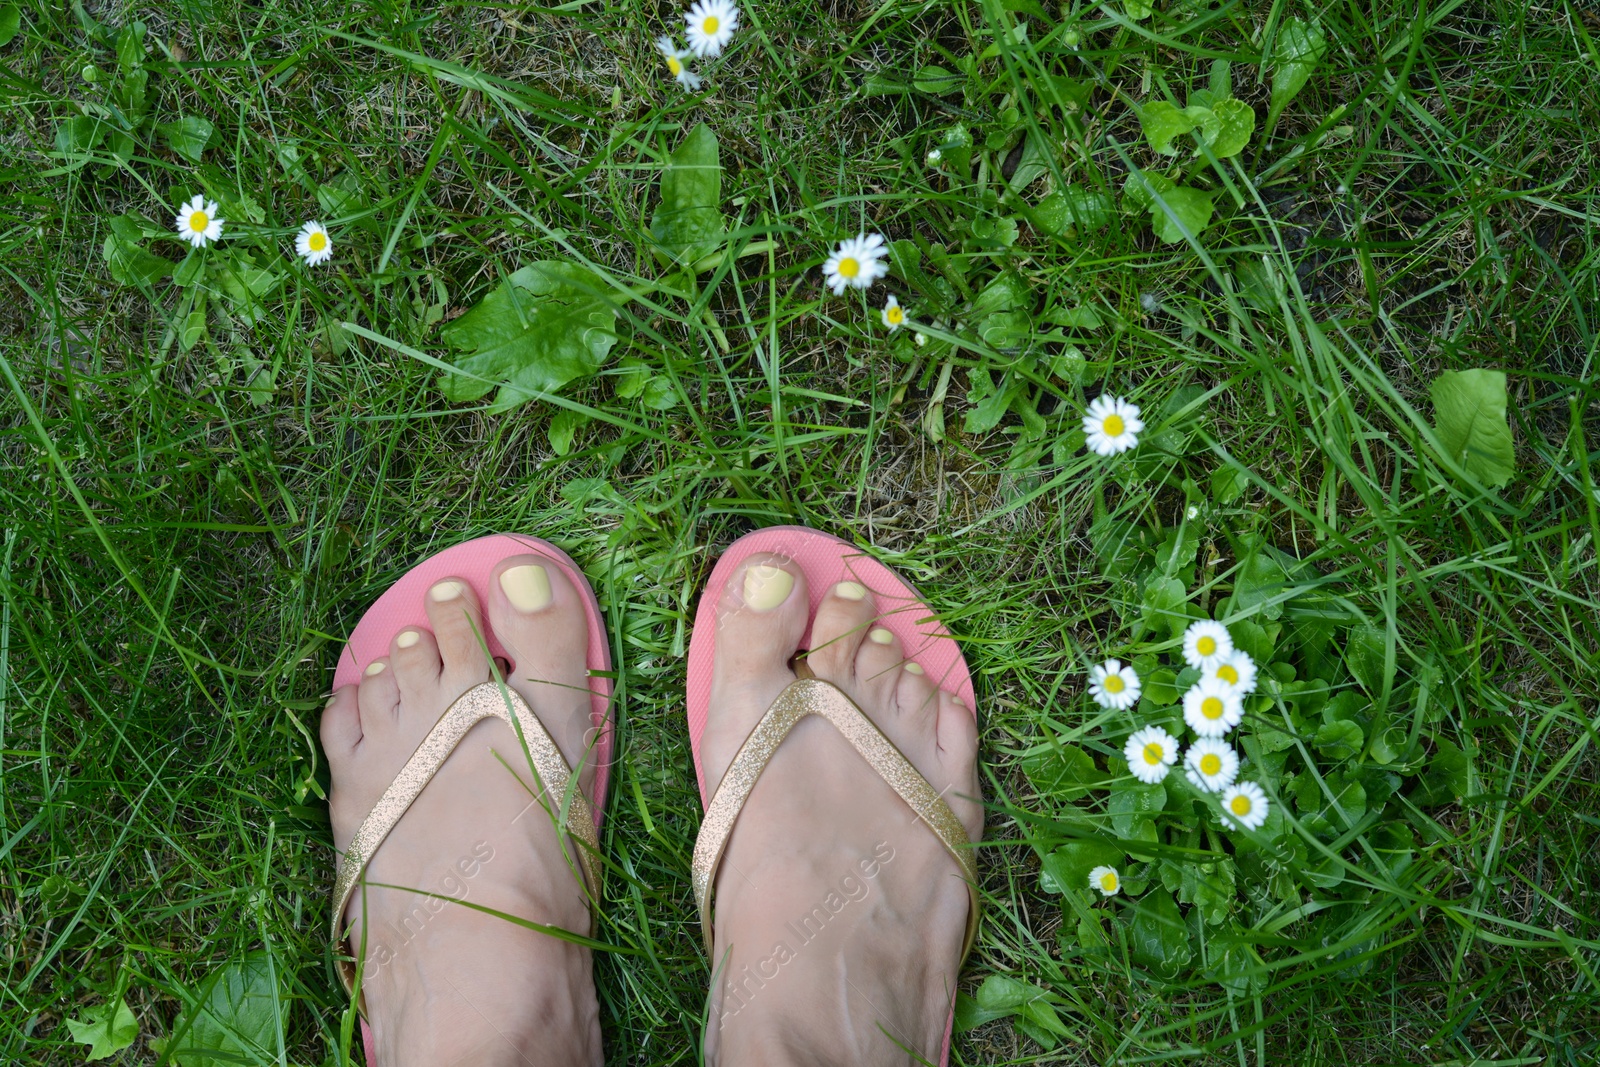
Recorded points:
1163,123
1138,10
1164,606
106,1028
194,329
1132,806
130,47
79,134
10,23
1065,772
1073,208
1469,414
245,287
1340,740
131,265
563,428
1209,886
1296,51
688,222
1067,868
1191,207
1160,938
1448,775
937,80
188,136
1227,485
1235,123
1364,654
236,1019
548,324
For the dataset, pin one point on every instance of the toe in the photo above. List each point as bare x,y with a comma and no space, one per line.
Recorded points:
843,620
957,732
915,693
761,618
877,667
457,623
341,727
378,697
414,657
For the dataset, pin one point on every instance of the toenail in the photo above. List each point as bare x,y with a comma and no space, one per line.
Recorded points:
958,702
765,586
913,668
850,591
407,638
880,636
375,667
527,586
447,590
331,702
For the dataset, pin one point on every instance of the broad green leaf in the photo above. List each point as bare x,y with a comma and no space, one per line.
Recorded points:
1067,868
1132,806
236,1019
1035,161
106,1028
1469,415
1261,580
688,222
1164,605
1448,775
1296,51
937,80
188,136
194,329
1209,886
1068,364
1138,10
1065,772
1227,485
1073,208
1235,123
79,134
1141,184
989,402
1233,966
548,324
130,47
1191,207
1340,740
1162,124
1006,292
1160,938
10,23
245,287
1364,653
564,427
132,265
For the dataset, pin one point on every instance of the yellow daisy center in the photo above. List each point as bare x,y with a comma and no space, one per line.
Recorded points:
317,241
1206,646
894,314
199,221
1114,683
1210,763
848,267
1228,674
1211,707
1113,426
1108,881
1240,804
674,66
1153,753
709,26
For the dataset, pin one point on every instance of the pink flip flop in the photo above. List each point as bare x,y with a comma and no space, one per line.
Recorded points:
402,605
825,560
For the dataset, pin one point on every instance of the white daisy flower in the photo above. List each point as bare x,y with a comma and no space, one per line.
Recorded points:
1106,880
894,316
313,244
1235,670
1150,752
1211,765
1112,425
675,57
1205,643
1212,708
198,223
711,24
920,337
1114,686
856,263
1245,804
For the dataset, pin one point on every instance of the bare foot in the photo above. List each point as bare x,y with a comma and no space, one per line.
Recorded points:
445,984
839,915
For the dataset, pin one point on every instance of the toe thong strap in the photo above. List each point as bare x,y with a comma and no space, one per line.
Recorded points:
490,699
812,696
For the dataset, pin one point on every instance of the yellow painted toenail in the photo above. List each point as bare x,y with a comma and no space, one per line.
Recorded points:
913,668
850,591
375,667
765,587
331,702
447,590
527,587
407,638
880,636
958,702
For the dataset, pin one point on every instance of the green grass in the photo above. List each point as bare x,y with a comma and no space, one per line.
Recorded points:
185,534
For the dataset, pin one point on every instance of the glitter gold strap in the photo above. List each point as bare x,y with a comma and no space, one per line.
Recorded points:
813,696
480,702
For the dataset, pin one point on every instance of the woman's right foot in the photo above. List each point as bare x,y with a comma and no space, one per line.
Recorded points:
445,984
839,916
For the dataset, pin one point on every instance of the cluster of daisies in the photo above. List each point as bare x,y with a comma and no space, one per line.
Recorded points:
1212,706
199,223
709,26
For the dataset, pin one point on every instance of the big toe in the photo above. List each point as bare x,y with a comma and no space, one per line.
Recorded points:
760,621
540,619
